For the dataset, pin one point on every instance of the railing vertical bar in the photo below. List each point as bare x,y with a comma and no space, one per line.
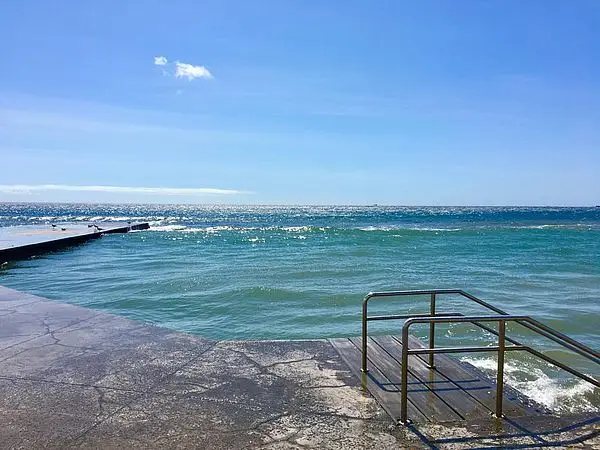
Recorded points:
364,335
432,332
500,375
404,379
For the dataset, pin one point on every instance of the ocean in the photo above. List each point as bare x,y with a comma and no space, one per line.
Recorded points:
300,272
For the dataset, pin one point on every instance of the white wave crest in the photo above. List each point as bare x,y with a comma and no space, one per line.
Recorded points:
165,225
559,395
175,228
574,226
167,228
296,229
408,228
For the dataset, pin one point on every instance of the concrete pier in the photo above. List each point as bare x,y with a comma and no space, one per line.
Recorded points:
22,242
72,377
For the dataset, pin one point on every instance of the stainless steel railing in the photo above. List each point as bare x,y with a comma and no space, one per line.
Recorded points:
501,318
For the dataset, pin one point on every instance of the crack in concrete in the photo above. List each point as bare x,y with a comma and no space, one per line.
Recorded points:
252,428
341,416
100,402
190,383
25,350
162,380
263,370
336,386
45,324
37,336
18,335
22,304
259,423
67,383
312,358
290,438
85,349
58,342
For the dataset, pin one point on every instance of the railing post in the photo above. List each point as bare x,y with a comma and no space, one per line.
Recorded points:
432,331
364,335
500,375
404,379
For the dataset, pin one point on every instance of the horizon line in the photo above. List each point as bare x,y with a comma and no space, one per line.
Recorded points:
365,205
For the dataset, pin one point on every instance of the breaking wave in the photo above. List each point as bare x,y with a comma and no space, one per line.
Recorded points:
558,394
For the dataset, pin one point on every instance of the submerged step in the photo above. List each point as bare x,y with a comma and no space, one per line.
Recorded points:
451,391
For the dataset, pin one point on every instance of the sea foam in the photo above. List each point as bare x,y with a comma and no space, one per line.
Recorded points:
558,394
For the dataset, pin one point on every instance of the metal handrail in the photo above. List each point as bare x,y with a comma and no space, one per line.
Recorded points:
501,318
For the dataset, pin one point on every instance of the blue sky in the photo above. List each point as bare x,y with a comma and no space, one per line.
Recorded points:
301,102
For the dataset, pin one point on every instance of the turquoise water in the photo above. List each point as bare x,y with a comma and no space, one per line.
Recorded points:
301,272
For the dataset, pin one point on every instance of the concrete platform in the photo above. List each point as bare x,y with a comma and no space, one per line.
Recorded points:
22,242
71,377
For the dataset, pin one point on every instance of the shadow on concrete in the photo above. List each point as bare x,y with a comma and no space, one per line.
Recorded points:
519,433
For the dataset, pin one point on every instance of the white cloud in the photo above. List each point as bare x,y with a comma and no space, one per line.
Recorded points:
160,61
28,188
182,70
189,71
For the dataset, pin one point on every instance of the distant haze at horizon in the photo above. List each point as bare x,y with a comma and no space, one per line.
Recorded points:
297,103
289,205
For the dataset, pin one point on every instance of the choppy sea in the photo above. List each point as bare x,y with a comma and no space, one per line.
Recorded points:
300,272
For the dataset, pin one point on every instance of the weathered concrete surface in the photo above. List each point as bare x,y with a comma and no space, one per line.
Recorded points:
75,378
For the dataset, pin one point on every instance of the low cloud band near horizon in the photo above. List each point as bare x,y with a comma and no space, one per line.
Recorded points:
26,188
